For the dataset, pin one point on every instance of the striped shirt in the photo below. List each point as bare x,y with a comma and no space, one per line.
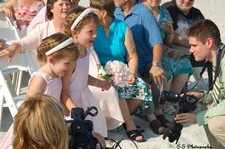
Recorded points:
215,98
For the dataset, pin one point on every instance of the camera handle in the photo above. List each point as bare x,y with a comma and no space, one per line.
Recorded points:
92,111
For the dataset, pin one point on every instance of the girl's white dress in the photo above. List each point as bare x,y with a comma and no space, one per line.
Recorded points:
108,99
83,97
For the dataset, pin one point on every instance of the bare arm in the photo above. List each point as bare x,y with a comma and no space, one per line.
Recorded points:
132,56
157,72
180,40
105,85
37,85
27,43
8,8
11,50
170,33
65,95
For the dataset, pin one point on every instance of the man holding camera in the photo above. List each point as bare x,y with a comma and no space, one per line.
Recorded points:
205,42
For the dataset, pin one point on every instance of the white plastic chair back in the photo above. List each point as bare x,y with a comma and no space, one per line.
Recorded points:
9,34
5,22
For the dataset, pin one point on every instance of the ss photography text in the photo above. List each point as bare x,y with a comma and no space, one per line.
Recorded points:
115,71
192,146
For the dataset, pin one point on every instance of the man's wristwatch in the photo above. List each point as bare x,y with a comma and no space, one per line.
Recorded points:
158,64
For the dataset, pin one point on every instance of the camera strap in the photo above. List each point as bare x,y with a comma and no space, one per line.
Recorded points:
219,57
201,73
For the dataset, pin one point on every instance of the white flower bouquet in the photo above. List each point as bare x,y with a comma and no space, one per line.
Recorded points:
116,71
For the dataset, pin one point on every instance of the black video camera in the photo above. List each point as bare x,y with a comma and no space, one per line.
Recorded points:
80,132
186,104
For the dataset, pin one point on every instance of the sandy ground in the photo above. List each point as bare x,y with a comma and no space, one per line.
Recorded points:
192,136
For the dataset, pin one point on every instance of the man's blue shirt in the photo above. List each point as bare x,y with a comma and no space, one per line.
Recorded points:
145,31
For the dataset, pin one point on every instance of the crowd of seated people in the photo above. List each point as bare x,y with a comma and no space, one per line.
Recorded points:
144,43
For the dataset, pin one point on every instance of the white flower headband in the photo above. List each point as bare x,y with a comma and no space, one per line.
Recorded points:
80,17
60,46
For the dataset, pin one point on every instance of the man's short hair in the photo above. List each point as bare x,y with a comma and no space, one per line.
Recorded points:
203,30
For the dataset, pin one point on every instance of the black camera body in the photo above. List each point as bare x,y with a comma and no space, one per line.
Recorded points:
172,97
80,131
186,104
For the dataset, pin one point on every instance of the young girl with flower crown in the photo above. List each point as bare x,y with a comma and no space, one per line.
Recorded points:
58,54
107,99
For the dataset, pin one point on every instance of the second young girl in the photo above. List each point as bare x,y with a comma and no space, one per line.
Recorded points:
82,25
57,54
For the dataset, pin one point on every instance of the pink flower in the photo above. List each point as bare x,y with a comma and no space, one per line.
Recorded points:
119,72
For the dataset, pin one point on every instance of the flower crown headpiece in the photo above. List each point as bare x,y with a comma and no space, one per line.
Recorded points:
60,46
80,17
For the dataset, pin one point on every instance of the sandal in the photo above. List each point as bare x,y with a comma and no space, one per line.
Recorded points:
163,120
133,134
138,128
156,127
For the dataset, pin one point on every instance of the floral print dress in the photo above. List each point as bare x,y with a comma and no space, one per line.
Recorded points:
138,90
24,15
172,66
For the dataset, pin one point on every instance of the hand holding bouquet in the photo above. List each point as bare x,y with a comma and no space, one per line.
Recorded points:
116,71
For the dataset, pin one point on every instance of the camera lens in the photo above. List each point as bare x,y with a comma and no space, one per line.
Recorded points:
77,127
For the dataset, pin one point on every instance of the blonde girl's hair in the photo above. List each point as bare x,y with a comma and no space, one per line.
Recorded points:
71,17
51,42
39,124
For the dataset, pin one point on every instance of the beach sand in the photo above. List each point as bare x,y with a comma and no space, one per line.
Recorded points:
192,136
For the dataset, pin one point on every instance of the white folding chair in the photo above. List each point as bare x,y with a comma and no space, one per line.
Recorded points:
11,73
11,87
5,22
9,34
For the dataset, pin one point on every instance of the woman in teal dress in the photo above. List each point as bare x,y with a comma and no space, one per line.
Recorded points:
108,48
115,42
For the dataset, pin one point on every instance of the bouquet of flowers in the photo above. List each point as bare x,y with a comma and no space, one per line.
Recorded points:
116,71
